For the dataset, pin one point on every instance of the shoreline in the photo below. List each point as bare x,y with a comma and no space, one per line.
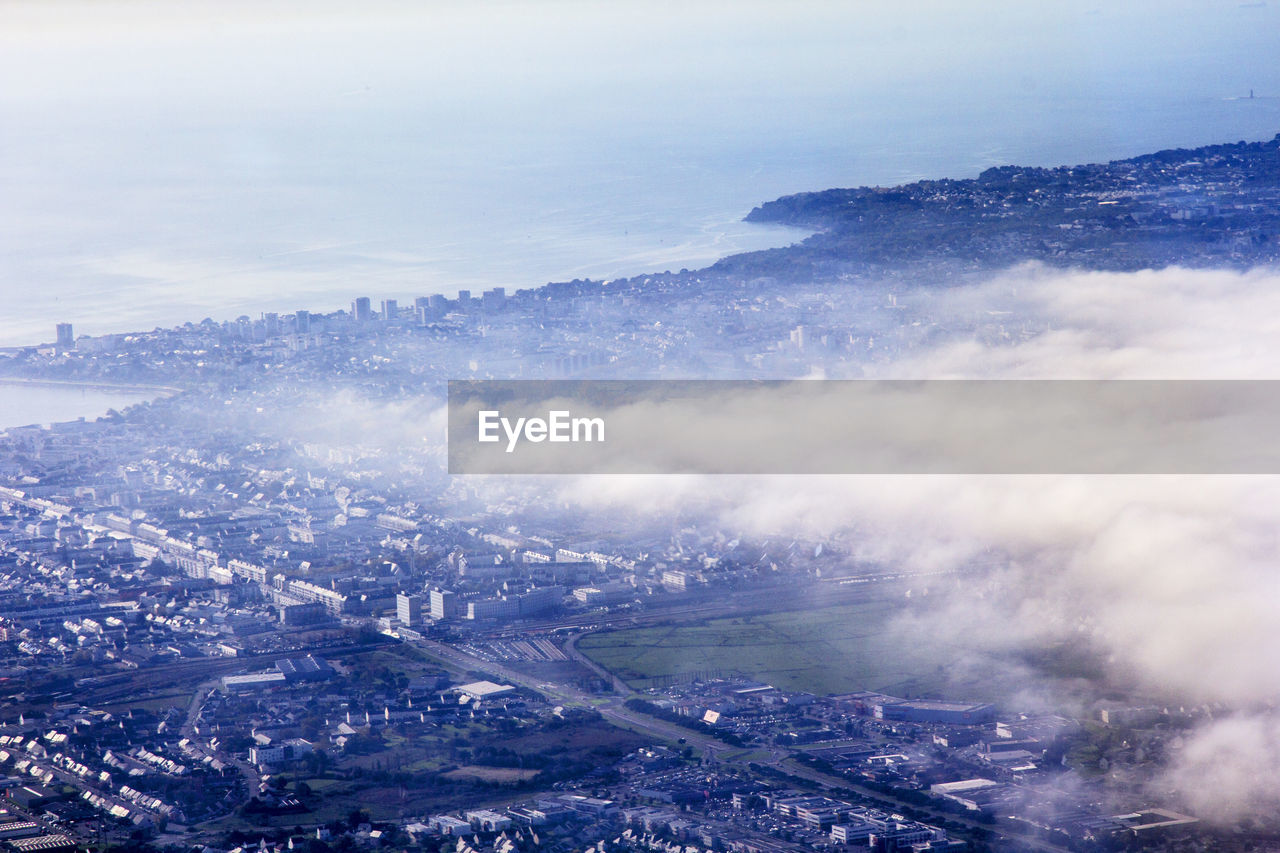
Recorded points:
69,384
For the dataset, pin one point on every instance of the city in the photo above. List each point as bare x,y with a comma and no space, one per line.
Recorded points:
254,612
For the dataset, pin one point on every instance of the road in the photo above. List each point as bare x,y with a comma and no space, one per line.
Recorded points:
613,709
206,689
570,648
715,603
998,832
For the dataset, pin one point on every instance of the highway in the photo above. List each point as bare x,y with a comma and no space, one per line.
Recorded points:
613,709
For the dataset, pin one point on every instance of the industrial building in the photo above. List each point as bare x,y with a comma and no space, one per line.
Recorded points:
948,713
482,690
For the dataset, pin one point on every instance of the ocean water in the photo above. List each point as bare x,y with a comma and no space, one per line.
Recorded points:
22,405
162,164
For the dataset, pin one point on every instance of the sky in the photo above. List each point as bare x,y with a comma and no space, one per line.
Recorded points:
166,162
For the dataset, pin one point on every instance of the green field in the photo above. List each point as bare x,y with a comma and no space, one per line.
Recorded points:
833,649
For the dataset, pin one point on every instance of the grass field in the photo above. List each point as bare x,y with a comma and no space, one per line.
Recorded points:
833,649
492,775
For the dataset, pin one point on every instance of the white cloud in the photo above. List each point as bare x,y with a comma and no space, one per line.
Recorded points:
1230,770
1174,578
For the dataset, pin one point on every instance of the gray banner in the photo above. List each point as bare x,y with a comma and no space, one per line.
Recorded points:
864,427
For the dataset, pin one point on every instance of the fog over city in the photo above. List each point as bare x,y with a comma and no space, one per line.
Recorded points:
1172,580
279,276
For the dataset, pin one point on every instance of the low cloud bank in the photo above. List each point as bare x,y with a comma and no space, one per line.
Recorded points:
1175,579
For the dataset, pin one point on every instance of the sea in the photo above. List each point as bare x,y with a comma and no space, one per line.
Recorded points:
27,405
163,163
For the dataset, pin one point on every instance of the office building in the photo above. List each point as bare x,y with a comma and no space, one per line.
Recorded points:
444,604
494,300
361,310
409,609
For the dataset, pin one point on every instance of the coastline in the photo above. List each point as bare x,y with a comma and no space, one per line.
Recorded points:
163,391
